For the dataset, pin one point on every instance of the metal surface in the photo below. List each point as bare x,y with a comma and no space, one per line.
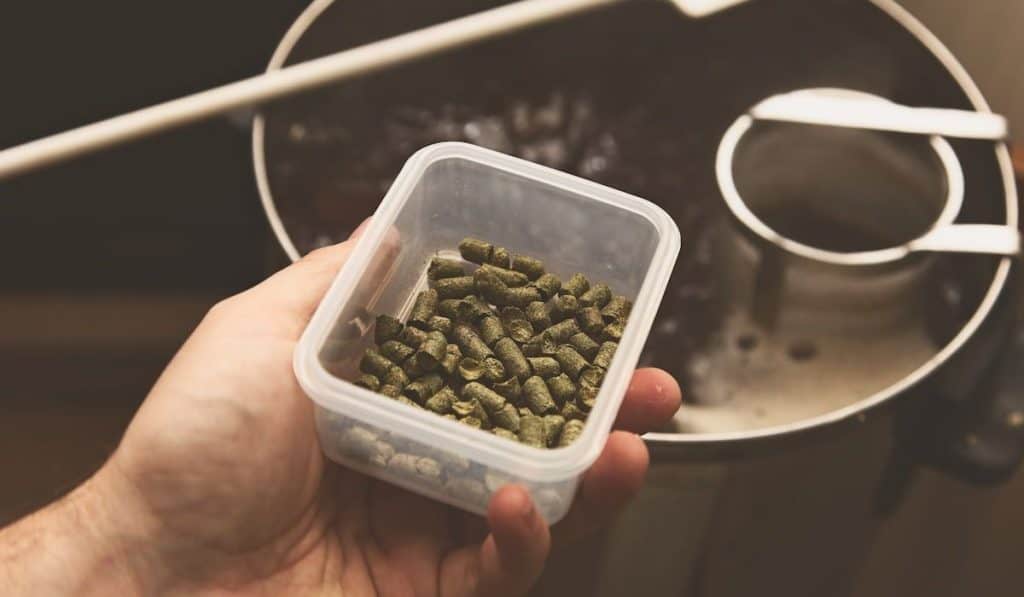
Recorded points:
288,131
824,108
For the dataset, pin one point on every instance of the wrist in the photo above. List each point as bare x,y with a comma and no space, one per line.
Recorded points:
84,544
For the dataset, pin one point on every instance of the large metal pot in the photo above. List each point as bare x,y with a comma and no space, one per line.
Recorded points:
750,483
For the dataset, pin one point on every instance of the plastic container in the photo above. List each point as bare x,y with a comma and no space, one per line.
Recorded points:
444,193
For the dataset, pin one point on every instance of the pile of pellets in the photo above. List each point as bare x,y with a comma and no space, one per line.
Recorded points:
508,348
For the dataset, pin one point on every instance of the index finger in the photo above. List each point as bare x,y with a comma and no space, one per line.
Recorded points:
652,399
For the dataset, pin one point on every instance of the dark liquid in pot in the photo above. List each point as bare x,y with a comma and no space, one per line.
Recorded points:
647,121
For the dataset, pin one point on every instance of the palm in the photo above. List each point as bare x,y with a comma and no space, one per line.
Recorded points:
224,459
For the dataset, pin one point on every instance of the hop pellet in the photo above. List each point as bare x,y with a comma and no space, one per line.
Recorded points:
548,285
441,268
476,250
503,346
507,276
450,288
598,296
533,268
538,397
576,285
545,366
423,309
570,432
590,321
512,357
386,328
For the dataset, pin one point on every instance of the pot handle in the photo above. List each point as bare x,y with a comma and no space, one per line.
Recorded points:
987,445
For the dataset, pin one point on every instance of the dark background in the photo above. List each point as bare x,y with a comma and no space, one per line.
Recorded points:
108,262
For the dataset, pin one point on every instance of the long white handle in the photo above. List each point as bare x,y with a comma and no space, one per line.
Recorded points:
813,107
986,239
288,81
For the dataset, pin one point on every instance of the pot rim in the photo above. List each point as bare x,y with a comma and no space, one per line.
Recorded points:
857,409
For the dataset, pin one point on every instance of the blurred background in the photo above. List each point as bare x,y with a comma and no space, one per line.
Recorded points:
108,263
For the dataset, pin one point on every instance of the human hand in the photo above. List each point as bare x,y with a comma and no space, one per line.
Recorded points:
220,487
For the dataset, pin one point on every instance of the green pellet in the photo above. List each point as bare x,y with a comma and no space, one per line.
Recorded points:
548,285
532,347
570,432
476,250
598,296
449,308
441,268
491,330
516,324
605,354
571,361
592,376
412,369
450,417
442,401
472,309
374,363
505,433
494,370
617,310
470,369
471,343
450,362
584,345
533,268
396,351
586,395
473,422
413,337
420,389
576,285
545,367
537,396
553,425
510,389
390,391
469,490
507,276
562,331
531,431
428,470
370,382
432,351
613,331
386,328
512,358
489,286
449,288
441,324
571,412
507,417
519,297
492,402
562,388
590,321
395,376
471,408
423,309
500,257
524,411
563,307
537,315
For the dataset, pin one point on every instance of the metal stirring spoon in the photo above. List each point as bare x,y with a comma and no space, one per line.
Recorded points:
306,76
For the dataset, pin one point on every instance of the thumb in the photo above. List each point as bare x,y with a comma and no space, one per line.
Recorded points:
296,290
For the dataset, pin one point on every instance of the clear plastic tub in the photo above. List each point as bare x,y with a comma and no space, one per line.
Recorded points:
444,193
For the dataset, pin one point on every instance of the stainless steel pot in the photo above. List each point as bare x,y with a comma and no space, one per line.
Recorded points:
752,477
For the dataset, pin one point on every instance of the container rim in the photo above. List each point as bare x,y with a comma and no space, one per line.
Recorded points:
341,396
890,8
